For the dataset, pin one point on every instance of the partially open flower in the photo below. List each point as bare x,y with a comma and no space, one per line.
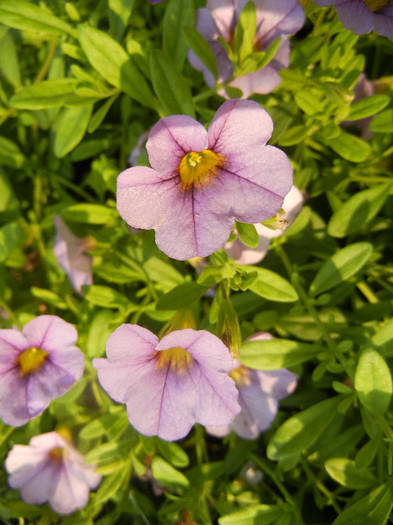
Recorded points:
259,393
50,469
171,384
361,16
274,19
36,365
202,180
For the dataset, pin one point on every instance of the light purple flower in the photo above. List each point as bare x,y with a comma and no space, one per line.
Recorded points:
36,365
70,254
242,254
259,393
50,469
171,384
275,18
361,16
200,181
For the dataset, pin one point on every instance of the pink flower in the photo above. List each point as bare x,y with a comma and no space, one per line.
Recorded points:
242,254
171,384
361,16
70,254
36,365
275,18
259,393
202,180
50,469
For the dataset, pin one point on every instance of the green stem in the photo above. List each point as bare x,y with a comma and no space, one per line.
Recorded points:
320,486
367,292
204,95
48,60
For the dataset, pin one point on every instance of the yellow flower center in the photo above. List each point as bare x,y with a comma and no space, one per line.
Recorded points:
199,169
57,454
177,358
376,5
240,375
31,360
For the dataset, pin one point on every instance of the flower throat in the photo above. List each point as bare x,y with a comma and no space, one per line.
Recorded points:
198,169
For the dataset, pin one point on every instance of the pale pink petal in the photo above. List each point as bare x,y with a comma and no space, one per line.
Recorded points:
13,399
276,383
70,492
49,332
277,18
355,15
130,343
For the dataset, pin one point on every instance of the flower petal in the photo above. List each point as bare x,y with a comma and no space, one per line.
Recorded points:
355,15
278,18
13,408
49,332
130,343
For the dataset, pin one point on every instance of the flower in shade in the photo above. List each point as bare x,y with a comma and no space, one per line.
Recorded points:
169,385
36,365
274,19
259,393
200,181
50,469
70,254
242,254
361,16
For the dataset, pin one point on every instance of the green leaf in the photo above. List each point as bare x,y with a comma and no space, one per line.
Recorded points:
10,154
9,64
308,101
373,382
169,86
245,31
358,211
119,14
341,266
367,107
272,286
173,453
372,509
181,296
106,297
10,235
100,114
47,94
367,453
349,147
89,213
247,234
343,471
383,123
255,515
210,276
272,354
298,433
178,15
112,62
100,329
71,128
162,273
168,476
29,17
202,49
47,296
111,484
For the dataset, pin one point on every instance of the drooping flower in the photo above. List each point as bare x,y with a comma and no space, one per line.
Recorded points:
274,19
50,469
259,393
36,365
242,254
171,384
200,181
70,254
361,16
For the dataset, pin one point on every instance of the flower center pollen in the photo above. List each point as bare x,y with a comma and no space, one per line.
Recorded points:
176,358
31,360
376,5
240,375
199,169
57,454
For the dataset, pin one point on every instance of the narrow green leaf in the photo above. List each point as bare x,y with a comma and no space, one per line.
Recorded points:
181,296
298,433
341,266
308,101
247,234
47,296
29,17
349,147
173,453
106,297
168,476
210,276
119,14
10,235
112,62
373,382
273,354
255,514
111,484
100,114
9,64
272,286
89,213
47,94
367,107
178,15
202,49
358,211
383,123
169,86
343,471
71,128
245,31
10,154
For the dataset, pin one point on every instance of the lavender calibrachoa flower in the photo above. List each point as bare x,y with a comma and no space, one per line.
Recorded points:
361,16
70,254
171,384
50,469
36,365
275,18
201,181
259,393
242,254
